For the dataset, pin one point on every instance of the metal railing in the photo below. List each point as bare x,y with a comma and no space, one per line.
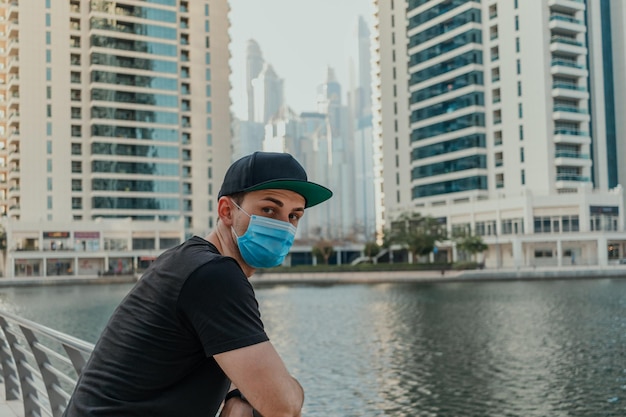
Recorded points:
40,366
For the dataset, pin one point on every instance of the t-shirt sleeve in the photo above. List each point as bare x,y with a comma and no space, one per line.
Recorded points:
218,302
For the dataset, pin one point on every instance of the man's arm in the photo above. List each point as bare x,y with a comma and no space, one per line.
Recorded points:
260,374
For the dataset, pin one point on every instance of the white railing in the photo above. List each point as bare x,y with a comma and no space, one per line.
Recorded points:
40,365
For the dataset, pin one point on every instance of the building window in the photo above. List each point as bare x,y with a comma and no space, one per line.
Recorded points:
77,185
519,66
517,45
521,132
77,203
49,184
519,88
77,167
523,177
521,154
516,23
520,110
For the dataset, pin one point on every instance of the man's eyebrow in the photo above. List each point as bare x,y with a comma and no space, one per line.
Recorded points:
280,203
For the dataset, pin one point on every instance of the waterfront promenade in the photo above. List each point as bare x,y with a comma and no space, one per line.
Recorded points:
365,277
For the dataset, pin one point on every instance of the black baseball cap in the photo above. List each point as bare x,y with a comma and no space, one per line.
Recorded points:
272,170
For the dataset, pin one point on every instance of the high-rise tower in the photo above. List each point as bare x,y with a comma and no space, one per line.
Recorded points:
508,129
113,110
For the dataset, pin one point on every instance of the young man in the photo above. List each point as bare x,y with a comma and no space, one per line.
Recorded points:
189,337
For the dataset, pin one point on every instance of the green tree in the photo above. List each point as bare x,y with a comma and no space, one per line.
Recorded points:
322,250
471,244
415,232
371,249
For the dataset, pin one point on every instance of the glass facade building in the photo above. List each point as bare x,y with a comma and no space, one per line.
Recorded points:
116,105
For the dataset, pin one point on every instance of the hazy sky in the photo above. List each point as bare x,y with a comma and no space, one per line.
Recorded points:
300,39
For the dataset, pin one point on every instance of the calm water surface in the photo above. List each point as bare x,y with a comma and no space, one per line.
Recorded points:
473,349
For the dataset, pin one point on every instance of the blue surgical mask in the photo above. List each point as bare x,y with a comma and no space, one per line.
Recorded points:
266,242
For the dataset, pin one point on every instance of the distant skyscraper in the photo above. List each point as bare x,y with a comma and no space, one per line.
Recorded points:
111,110
254,66
268,94
360,102
499,118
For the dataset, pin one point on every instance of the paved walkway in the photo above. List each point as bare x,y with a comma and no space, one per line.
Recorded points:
13,408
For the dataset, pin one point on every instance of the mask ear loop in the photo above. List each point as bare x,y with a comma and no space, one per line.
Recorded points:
239,207
232,229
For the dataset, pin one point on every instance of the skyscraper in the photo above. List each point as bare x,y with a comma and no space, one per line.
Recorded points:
495,117
110,111
254,66
268,94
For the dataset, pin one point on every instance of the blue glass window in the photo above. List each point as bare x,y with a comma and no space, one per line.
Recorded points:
471,57
148,151
447,126
142,186
453,186
155,65
131,203
134,115
472,78
134,45
160,169
441,148
156,134
119,96
445,167
449,106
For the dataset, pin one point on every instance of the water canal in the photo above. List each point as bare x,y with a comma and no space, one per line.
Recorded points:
553,348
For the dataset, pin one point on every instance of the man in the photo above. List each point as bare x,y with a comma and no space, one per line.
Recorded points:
189,337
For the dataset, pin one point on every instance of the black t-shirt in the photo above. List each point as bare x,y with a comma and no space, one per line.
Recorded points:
155,356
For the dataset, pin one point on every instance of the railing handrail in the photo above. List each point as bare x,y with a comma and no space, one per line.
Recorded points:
32,367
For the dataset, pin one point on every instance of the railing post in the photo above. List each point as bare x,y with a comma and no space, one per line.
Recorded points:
50,380
9,372
29,393
42,386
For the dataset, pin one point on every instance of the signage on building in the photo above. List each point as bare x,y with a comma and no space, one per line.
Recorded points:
612,210
56,235
87,235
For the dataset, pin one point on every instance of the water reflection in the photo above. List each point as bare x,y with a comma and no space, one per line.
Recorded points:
472,349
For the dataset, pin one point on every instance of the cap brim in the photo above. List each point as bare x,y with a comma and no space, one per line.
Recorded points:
313,193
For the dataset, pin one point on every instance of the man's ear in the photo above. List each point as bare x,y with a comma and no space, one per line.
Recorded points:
225,210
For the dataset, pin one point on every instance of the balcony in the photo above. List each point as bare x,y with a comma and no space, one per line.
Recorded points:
569,91
14,136
572,177
566,45
14,156
566,24
570,113
568,68
572,136
566,6
571,159
14,120
14,192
